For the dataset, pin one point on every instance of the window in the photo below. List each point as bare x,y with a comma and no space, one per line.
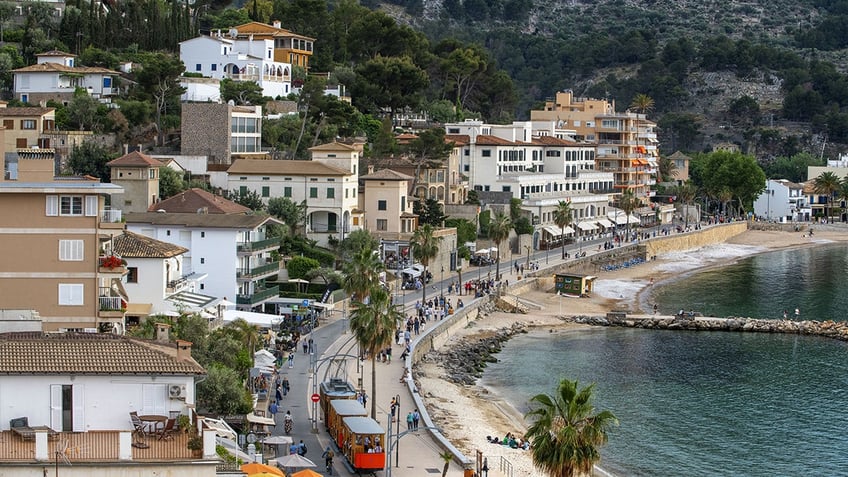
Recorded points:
91,206
214,67
9,123
381,205
382,224
71,250
331,193
71,294
28,123
202,260
486,153
287,192
313,192
132,274
151,173
266,191
52,208
202,234
70,205
197,67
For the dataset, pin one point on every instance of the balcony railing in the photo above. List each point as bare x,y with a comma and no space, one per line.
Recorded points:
259,245
258,296
110,216
257,78
259,271
110,303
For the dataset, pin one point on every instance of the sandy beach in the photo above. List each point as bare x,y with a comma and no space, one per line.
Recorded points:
468,414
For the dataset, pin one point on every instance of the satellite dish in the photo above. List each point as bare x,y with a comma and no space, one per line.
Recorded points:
233,33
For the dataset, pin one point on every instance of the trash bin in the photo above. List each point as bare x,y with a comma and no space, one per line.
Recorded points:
469,473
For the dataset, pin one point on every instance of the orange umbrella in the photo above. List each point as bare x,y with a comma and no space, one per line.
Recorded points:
256,468
306,473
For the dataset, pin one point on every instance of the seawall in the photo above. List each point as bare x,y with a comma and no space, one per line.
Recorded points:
827,329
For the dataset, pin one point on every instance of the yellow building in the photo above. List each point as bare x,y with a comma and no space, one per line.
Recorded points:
626,142
289,47
27,127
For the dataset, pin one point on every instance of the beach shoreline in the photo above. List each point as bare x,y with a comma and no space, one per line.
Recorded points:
468,414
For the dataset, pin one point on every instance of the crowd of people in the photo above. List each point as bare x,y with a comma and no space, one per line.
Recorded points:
510,440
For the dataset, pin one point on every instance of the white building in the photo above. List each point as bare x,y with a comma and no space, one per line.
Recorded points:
55,77
158,278
232,251
80,389
328,183
219,57
783,201
540,165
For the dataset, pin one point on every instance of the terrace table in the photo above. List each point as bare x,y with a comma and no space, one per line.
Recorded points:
154,421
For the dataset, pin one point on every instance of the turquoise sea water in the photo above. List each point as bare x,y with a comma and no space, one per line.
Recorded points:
710,403
763,286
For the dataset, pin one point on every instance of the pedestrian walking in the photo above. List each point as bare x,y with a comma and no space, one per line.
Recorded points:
289,422
416,416
279,393
291,360
286,386
409,421
273,409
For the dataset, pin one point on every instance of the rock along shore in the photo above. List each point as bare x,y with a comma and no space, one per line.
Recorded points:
828,329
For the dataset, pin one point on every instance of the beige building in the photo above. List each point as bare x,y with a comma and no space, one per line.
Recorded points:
444,182
54,233
221,132
289,47
26,128
138,175
626,142
388,211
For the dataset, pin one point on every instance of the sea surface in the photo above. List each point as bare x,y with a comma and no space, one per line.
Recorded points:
710,403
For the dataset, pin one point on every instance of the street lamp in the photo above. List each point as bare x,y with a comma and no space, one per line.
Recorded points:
442,283
397,450
485,467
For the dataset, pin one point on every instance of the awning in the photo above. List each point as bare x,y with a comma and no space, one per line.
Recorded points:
412,272
139,308
555,231
586,226
619,219
263,320
634,220
323,306
254,419
194,301
605,223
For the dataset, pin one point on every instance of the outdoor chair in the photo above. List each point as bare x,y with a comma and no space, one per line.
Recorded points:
139,426
166,432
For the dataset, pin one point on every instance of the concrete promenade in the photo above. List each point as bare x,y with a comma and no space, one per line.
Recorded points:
418,453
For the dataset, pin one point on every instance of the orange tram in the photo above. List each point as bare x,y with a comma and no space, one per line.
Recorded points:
359,438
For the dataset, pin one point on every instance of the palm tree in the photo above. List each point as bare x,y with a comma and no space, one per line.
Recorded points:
425,247
827,183
666,168
686,193
362,274
563,217
247,334
724,196
374,325
628,203
565,436
499,229
642,103
447,457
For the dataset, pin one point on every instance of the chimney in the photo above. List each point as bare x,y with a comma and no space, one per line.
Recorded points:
183,350
370,168
277,24
162,332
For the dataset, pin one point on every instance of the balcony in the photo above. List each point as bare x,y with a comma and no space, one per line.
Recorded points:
258,296
111,264
111,219
94,446
258,246
257,78
261,271
180,284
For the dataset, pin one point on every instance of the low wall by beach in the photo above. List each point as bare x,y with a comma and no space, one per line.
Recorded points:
828,329
695,239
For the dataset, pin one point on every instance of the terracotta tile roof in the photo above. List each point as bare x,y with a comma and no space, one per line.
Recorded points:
293,168
333,146
487,140
554,141
56,53
386,175
192,200
135,159
133,245
265,29
24,111
458,139
89,353
57,68
214,221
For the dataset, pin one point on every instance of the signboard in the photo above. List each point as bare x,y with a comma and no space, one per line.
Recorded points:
305,303
315,398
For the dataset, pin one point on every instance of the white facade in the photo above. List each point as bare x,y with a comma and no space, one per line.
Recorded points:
56,75
218,57
151,280
782,201
99,403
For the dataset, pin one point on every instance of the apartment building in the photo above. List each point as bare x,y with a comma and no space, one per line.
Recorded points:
221,132
626,142
52,231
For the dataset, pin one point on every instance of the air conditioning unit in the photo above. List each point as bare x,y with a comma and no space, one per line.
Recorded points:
177,391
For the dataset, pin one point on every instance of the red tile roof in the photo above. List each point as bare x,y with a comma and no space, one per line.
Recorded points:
133,245
135,159
89,353
194,200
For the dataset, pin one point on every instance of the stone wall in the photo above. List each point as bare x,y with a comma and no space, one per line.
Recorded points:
695,239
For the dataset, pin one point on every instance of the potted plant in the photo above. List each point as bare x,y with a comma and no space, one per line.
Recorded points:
184,422
112,261
195,442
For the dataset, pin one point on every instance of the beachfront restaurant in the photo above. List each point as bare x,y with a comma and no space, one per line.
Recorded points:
573,285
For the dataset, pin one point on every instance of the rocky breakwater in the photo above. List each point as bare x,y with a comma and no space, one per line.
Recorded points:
464,361
829,329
